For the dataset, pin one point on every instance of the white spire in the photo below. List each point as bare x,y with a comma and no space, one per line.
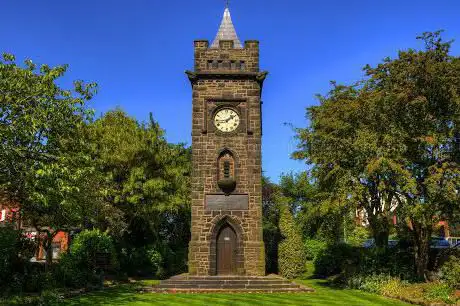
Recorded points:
227,32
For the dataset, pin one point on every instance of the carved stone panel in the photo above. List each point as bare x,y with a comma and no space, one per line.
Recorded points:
230,202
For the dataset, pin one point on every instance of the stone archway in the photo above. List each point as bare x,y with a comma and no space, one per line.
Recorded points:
226,247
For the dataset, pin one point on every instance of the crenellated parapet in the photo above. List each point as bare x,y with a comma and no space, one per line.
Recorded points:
226,57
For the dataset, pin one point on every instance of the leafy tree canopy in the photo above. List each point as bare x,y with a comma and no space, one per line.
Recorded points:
390,142
44,165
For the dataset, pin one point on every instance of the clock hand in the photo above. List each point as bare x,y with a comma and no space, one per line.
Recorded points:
225,120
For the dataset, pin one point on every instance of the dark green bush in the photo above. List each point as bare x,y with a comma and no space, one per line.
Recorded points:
335,259
348,260
357,236
45,298
397,261
291,258
80,266
142,261
451,272
36,278
15,254
313,247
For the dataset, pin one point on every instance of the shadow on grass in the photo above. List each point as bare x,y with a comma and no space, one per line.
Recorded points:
114,296
323,282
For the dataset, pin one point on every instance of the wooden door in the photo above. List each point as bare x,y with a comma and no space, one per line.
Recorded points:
226,251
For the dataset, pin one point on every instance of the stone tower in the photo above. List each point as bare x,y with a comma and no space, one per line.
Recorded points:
226,149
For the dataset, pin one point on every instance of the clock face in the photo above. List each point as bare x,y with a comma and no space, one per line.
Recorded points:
226,120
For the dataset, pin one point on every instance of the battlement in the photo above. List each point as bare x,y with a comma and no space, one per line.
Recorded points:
226,57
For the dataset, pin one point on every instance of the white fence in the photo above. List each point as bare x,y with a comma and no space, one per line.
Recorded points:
453,240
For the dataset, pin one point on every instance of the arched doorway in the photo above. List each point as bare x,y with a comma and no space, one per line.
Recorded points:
226,251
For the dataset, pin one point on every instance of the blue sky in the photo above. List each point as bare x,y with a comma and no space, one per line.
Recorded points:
137,51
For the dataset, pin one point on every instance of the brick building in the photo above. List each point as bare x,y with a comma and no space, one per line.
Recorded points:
10,215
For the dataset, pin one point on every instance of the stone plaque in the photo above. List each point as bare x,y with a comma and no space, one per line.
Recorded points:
223,202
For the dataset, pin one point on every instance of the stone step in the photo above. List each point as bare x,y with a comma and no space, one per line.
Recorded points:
234,286
244,278
226,290
224,282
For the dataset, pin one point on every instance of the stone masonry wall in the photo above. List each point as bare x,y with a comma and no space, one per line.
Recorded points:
226,84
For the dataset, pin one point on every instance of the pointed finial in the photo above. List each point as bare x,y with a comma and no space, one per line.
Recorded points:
227,3
227,31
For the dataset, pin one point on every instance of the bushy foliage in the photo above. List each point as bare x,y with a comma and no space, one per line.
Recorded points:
374,283
440,291
270,223
357,236
372,146
146,192
80,266
44,165
335,259
291,252
313,247
397,261
142,261
45,298
15,254
347,260
387,285
451,272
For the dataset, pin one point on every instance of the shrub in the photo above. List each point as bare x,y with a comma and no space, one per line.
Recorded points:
50,298
80,265
441,256
375,283
291,258
396,261
451,272
335,259
383,284
46,298
15,254
394,287
313,247
358,236
347,260
36,278
142,261
439,291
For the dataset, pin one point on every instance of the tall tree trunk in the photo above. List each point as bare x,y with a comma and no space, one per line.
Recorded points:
48,247
380,230
421,236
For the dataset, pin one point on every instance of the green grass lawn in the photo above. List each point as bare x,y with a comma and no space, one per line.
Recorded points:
323,295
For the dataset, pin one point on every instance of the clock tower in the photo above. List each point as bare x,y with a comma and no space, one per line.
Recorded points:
226,156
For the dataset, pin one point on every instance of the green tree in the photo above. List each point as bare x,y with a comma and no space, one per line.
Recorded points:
43,165
291,256
390,143
146,185
352,156
270,221
421,92
304,203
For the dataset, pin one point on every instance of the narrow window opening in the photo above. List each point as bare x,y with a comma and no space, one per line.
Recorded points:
226,169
